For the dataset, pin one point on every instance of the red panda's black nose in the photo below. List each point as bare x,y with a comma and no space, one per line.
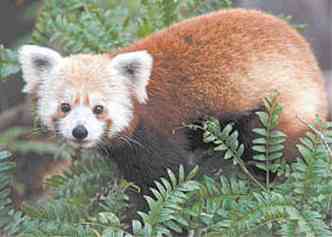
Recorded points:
80,132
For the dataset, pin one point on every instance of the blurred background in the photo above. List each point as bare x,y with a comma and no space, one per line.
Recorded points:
17,18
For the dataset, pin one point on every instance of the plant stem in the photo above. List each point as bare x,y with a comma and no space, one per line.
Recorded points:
247,172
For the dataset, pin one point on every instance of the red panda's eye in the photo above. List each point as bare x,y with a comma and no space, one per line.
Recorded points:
65,107
98,109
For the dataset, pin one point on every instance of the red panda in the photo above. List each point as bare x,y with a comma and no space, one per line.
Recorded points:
129,103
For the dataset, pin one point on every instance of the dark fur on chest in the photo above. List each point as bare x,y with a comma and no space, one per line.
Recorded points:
146,155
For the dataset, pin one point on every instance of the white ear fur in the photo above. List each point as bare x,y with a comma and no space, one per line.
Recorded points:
136,67
36,62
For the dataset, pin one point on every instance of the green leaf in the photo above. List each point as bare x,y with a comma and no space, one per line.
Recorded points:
260,131
226,131
260,157
259,141
259,148
276,148
228,155
221,147
264,118
277,134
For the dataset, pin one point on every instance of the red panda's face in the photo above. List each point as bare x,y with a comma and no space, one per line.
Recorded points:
85,98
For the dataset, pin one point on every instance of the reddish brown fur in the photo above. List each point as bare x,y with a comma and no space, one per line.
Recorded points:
222,62
227,62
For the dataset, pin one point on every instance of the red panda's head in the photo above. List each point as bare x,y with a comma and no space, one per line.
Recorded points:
84,98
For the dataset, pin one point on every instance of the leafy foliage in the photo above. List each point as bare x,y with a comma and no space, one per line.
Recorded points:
226,140
79,26
83,26
166,209
20,140
89,201
8,62
269,144
10,220
299,205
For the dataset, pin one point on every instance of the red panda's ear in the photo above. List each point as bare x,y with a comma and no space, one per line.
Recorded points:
136,68
36,62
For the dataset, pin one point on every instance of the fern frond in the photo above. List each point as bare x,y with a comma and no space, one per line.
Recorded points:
225,140
309,183
78,179
226,188
16,141
53,228
79,26
261,210
304,223
268,147
112,225
10,219
198,7
168,8
166,207
84,197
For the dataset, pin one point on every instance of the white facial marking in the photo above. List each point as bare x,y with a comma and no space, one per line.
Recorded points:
82,115
48,101
49,76
119,106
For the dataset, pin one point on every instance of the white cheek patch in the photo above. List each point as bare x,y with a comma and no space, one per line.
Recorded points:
82,115
121,114
129,76
46,108
47,105
119,106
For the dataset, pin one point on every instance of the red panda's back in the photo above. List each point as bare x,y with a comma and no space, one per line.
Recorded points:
228,61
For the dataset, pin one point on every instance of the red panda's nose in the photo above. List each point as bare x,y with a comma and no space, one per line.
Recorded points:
80,132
